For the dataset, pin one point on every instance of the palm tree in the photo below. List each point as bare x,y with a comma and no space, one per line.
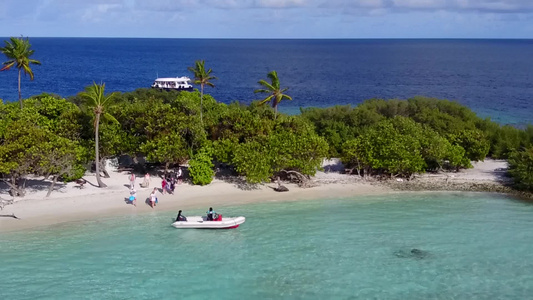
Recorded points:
202,77
96,99
276,93
18,53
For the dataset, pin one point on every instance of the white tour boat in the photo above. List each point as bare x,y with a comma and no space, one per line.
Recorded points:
173,83
201,222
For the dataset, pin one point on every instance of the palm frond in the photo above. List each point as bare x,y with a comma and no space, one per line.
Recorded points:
109,118
273,76
35,62
266,100
262,91
28,71
267,85
286,97
8,65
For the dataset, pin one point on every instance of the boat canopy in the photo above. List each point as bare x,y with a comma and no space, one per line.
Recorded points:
174,79
178,83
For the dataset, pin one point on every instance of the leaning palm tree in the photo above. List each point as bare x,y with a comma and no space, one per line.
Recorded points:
276,94
98,101
202,77
18,53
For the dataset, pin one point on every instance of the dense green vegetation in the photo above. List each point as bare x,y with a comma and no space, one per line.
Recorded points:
402,137
521,168
51,136
57,137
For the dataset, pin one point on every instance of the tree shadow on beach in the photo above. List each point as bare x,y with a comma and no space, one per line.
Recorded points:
87,181
239,183
502,175
228,174
34,185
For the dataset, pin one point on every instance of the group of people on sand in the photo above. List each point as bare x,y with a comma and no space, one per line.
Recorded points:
211,216
168,184
153,200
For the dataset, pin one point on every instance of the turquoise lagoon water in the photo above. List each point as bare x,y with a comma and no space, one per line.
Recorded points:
476,246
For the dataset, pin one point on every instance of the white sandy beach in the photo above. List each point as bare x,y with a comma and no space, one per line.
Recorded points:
68,203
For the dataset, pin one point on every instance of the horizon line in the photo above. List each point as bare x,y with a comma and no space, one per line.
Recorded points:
283,38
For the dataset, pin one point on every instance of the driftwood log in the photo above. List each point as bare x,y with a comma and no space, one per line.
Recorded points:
10,216
280,188
80,182
301,179
4,202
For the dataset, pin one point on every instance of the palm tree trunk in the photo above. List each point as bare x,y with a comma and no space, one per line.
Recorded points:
20,95
97,152
275,106
201,104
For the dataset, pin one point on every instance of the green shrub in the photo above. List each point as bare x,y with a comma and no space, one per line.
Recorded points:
201,167
521,168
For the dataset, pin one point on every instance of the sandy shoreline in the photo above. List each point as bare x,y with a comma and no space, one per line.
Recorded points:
69,207
70,204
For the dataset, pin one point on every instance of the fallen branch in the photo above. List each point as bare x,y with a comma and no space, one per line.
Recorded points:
10,216
303,180
14,190
4,202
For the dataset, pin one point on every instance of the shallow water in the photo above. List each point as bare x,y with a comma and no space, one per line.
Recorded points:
475,246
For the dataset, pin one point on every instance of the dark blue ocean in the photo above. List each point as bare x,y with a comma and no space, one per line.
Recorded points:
492,77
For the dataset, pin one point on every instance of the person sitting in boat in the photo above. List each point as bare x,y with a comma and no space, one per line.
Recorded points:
210,213
180,217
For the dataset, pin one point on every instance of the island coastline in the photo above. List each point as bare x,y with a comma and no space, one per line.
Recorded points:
69,203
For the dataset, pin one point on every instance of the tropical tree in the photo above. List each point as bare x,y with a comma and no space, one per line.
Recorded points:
273,88
18,52
521,168
98,101
201,167
202,77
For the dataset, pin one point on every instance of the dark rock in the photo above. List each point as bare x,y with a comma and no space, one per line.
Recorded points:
414,253
281,188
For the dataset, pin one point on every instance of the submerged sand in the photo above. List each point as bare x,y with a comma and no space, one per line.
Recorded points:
69,203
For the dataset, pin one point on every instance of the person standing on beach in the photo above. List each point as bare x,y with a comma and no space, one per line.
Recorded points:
146,181
172,184
164,184
153,198
132,181
133,197
180,174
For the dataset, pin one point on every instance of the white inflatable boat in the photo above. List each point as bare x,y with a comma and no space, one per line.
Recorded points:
201,222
